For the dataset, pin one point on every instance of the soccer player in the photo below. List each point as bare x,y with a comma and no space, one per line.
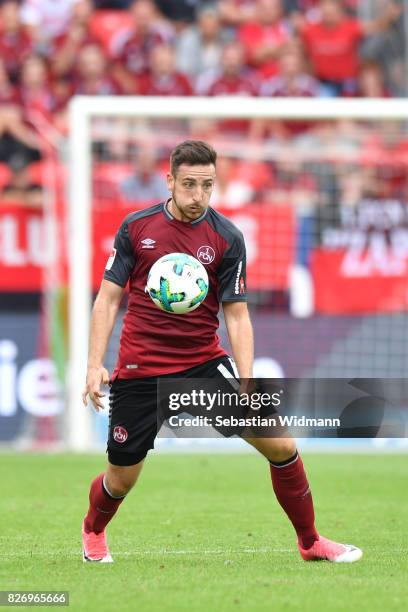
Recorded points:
155,344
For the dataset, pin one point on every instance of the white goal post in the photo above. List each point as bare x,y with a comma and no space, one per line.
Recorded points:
82,110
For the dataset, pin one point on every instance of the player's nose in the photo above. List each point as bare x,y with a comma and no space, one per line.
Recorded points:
198,194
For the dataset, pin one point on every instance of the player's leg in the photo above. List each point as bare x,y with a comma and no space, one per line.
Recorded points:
287,474
132,430
107,492
120,479
290,484
293,493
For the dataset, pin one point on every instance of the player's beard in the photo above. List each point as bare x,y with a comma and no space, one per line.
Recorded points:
190,212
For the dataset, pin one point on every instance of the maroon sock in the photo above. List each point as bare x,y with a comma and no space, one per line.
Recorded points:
102,506
293,493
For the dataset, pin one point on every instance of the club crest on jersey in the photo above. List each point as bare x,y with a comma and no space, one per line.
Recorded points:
206,254
120,434
111,259
148,243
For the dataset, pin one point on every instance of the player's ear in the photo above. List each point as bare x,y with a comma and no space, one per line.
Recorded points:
170,181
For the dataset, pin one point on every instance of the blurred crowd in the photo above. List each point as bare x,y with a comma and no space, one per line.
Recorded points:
51,51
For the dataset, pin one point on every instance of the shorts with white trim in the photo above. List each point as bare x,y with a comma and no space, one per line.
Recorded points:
133,409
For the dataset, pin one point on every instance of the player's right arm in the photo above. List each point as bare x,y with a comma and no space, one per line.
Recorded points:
117,272
103,319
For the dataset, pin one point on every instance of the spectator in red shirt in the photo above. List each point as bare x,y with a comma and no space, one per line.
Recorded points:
265,38
15,42
332,44
133,51
292,81
36,89
163,78
68,45
92,74
42,100
234,79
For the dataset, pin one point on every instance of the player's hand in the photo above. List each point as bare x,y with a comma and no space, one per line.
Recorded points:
95,379
247,386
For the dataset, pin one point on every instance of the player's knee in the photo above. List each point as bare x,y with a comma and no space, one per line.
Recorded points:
121,479
117,488
282,449
119,485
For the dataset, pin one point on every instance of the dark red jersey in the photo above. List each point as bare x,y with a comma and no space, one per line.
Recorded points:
15,47
154,342
135,50
175,84
240,85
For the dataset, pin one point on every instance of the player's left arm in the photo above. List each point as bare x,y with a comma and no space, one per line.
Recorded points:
240,335
231,275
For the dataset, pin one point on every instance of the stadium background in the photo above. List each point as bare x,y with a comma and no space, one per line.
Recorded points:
323,205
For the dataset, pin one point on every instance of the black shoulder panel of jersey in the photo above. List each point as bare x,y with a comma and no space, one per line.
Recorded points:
223,226
231,272
122,259
146,212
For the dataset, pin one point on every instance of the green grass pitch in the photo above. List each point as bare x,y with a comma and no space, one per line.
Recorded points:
204,532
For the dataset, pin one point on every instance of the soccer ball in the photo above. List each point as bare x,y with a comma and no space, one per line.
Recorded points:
177,283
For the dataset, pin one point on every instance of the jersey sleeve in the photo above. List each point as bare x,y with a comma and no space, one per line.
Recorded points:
122,260
232,272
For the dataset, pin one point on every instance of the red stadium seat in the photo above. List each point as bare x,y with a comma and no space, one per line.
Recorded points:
257,174
112,172
41,174
107,24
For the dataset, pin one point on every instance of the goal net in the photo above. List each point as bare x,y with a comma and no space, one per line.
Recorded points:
319,188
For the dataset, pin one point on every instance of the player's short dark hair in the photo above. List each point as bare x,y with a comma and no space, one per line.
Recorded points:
192,153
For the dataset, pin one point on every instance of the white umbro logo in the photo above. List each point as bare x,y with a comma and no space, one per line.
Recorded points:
148,243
